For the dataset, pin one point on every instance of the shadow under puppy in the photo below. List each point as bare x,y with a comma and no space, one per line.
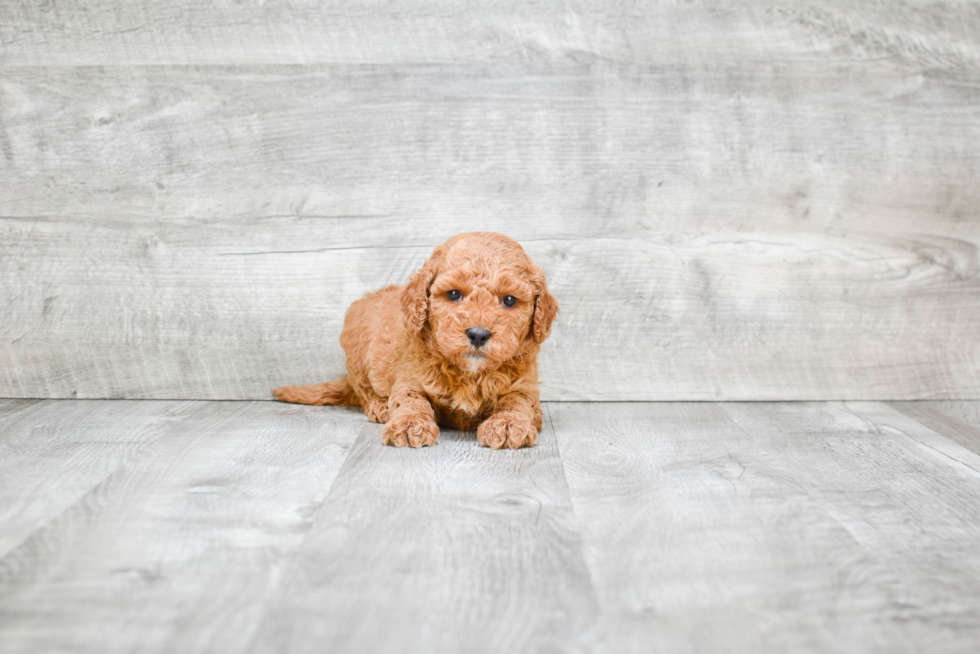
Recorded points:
458,347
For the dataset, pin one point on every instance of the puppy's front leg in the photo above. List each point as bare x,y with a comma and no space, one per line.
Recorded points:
514,423
411,420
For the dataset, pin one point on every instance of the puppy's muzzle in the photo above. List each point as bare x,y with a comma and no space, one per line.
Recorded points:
478,336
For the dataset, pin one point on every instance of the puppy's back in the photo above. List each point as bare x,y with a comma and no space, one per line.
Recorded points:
370,326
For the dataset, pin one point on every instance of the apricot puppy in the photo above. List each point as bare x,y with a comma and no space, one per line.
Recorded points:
458,347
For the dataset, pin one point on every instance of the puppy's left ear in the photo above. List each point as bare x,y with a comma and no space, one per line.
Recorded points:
545,308
415,297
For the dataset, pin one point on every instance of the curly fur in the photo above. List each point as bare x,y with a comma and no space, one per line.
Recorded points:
411,366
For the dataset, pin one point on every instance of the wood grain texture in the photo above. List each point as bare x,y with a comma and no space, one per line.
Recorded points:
773,527
53,453
180,548
260,527
732,200
957,421
488,31
455,548
180,313
888,419
9,408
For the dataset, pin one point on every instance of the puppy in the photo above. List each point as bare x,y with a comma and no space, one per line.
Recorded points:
458,347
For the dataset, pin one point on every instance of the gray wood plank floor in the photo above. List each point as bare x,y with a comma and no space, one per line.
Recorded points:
632,527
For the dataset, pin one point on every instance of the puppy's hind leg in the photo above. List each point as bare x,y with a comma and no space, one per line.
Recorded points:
376,409
337,392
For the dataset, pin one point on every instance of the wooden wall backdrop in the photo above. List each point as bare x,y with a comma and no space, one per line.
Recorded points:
733,200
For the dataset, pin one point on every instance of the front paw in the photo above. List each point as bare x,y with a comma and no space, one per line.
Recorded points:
411,431
510,430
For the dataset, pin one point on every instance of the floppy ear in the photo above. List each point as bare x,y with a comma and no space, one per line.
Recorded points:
415,297
545,308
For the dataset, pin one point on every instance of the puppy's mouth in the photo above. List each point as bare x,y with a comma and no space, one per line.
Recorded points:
474,361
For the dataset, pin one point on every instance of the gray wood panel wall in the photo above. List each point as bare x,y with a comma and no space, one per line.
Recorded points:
732,200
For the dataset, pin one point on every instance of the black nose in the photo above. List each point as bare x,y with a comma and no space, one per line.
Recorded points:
477,336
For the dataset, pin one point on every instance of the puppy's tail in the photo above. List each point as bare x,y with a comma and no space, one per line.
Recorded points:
337,392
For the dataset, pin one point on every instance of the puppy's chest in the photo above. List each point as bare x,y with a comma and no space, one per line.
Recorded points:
465,403
447,416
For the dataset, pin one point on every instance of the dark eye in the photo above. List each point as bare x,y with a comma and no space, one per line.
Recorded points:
509,300
454,295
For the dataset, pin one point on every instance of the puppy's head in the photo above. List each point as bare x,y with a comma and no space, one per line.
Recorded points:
479,301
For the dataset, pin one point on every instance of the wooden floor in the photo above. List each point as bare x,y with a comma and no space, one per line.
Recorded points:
179,527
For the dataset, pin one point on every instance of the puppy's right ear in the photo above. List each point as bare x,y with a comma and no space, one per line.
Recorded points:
415,297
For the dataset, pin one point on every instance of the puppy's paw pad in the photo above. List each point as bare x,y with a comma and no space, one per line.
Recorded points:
377,411
414,431
506,430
